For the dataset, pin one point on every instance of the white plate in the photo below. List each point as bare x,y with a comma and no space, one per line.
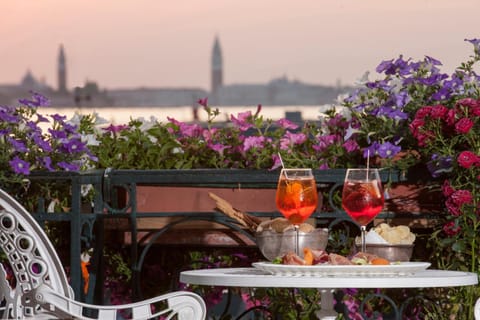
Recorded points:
328,270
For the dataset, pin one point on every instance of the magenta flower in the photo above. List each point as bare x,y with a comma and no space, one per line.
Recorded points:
115,129
467,159
451,229
203,102
253,142
242,120
463,125
290,139
287,124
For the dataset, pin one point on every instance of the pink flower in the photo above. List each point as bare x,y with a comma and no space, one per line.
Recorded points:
241,121
286,124
447,189
438,111
203,102
351,146
253,142
466,159
453,208
463,125
451,229
461,197
290,139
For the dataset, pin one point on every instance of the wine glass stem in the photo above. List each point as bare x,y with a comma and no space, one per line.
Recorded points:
296,238
363,230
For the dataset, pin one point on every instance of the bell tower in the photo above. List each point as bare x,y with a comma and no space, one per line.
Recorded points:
217,69
62,71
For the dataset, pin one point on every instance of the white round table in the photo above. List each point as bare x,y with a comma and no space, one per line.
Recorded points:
255,278
252,277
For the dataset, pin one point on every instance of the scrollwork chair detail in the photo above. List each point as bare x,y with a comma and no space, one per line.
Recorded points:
477,310
41,288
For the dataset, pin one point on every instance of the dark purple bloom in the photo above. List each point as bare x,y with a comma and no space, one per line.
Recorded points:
20,166
115,129
439,165
47,163
74,145
18,145
42,144
38,100
57,134
68,166
476,44
8,117
58,118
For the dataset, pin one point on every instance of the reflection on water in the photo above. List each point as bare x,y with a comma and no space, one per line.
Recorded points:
122,115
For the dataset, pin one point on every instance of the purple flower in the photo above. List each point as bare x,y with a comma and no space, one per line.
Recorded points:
20,166
68,166
115,129
18,145
476,44
47,163
38,100
388,150
42,144
74,145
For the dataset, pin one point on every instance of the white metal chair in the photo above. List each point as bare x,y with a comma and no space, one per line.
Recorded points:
477,309
42,289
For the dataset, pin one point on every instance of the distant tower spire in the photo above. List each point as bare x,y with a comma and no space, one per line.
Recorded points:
62,71
217,67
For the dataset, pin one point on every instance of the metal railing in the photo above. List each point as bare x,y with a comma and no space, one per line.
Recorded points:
87,225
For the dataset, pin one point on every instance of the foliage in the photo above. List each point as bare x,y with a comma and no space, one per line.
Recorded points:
383,109
30,141
448,135
246,141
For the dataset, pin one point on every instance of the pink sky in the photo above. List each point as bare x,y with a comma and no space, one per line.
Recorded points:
168,43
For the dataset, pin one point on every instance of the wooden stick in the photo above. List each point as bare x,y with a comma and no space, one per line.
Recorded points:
248,221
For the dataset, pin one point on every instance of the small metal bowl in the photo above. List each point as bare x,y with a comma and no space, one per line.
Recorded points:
274,244
391,252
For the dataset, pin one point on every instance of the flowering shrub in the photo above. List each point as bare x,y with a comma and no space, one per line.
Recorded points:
247,141
449,136
383,109
30,141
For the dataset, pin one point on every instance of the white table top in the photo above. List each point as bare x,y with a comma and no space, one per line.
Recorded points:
252,277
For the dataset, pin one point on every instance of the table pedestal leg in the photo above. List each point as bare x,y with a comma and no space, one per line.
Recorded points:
326,312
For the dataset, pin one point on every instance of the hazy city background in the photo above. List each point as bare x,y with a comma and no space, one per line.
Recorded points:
150,53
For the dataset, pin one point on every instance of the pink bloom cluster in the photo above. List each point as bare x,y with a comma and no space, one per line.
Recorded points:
452,133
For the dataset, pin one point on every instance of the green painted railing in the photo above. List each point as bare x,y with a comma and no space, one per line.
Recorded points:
87,225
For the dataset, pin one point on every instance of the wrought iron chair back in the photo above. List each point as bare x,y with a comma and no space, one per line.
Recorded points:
34,285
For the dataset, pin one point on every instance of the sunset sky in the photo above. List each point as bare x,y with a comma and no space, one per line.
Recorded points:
126,43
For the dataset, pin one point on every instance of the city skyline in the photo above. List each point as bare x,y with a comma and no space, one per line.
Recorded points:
161,44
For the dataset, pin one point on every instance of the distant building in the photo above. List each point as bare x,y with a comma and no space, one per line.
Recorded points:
277,92
217,71
62,71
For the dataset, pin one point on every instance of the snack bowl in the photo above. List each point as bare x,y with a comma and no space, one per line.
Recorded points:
391,252
274,244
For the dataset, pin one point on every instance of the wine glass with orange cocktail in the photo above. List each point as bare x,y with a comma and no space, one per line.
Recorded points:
362,197
296,197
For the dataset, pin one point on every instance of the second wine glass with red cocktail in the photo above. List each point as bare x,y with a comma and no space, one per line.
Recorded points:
296,196
362,197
